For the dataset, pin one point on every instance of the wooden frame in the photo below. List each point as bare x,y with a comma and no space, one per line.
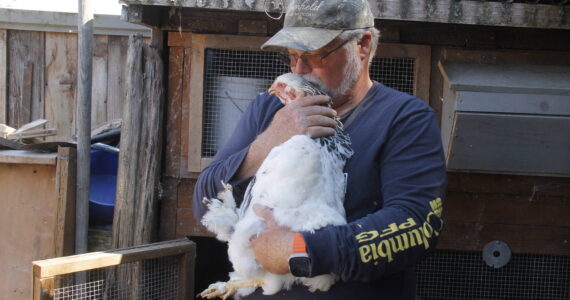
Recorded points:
46,271
198,43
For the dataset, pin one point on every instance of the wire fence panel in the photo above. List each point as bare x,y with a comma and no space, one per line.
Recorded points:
458,275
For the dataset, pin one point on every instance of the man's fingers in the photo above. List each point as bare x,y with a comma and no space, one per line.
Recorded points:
322,121
265,213
320,131
319,110
312,100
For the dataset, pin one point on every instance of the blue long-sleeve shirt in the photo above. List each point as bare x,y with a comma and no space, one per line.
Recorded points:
393,201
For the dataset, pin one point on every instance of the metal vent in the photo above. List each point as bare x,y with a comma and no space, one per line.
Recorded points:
234,77
457,275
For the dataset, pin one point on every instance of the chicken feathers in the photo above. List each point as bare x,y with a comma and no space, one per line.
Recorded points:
302,180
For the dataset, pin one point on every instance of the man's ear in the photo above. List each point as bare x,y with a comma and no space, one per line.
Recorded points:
365,46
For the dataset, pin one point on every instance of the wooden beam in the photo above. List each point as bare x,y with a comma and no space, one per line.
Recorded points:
196,102
27,157
3,76
65,22
96,260
443,11
32,133
65,180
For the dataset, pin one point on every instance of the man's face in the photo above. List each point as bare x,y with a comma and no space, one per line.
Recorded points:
338,71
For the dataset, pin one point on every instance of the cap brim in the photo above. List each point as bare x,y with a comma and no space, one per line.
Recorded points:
301,38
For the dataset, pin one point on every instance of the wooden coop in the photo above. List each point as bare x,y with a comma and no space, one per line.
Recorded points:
496,73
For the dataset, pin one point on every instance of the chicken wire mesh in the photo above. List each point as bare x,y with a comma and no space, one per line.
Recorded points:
234,77
457,275
151,279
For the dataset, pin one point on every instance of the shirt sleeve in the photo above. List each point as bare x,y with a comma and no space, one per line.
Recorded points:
228,159
394,238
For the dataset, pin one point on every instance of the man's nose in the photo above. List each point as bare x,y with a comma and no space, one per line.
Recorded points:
301,67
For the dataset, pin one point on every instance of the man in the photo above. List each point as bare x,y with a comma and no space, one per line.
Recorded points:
395,179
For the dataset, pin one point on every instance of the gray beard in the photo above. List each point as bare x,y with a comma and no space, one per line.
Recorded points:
352,70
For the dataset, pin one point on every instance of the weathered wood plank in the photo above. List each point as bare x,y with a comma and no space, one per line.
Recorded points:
185,118
436,83
100,80
443,11
26,77
533,187
507,209
141,144
27,222
26,157
61,82
174,112
196,102
116,75
227,22
65,181
3,76
65,22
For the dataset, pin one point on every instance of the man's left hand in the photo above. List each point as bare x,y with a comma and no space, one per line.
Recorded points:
273,246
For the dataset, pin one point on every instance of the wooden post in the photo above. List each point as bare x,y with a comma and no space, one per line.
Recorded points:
85,50
3,76
135,215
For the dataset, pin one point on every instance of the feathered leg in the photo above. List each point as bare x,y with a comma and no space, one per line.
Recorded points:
222,214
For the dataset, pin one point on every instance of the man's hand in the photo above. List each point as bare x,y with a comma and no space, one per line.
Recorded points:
302,116
305,115
272,247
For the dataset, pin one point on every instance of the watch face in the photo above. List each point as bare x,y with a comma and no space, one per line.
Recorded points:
300,266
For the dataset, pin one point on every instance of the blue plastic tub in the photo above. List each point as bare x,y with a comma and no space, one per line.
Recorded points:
102,187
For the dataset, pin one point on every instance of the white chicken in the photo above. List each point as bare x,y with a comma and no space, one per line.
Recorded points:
302,180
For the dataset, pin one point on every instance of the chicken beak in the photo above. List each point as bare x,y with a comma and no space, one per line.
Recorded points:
272,91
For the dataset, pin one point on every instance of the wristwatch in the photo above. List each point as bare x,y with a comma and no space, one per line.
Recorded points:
299,261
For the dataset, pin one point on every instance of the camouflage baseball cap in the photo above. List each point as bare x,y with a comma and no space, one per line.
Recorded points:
312,24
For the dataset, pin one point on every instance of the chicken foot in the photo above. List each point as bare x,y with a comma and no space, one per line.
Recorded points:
226,289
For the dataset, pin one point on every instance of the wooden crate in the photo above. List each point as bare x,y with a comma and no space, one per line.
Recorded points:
37,192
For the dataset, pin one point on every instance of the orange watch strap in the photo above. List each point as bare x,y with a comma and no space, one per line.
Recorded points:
299,245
